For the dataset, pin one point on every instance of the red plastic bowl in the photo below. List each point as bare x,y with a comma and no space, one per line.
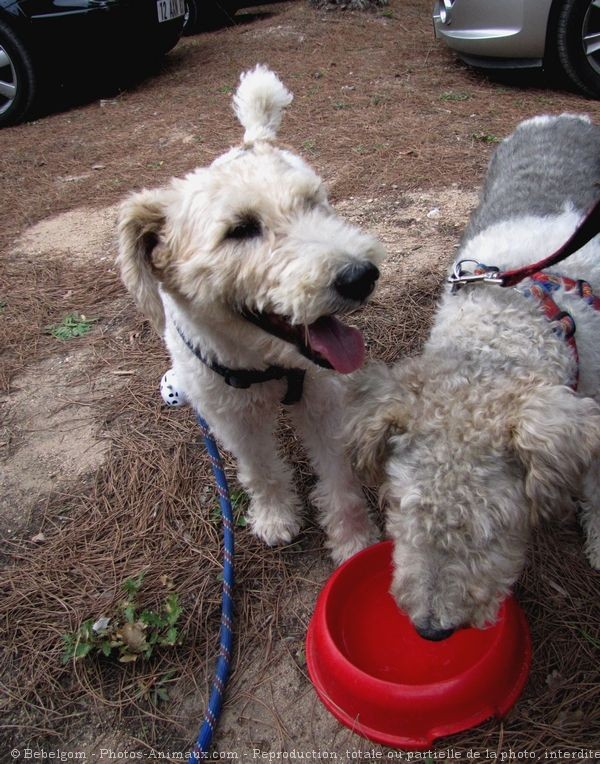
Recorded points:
377,676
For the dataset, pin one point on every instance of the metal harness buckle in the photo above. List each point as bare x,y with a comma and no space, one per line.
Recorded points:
483,274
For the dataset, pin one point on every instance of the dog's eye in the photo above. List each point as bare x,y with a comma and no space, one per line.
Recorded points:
248,228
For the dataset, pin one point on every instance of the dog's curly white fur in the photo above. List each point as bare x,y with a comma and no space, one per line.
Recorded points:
481,435
253,235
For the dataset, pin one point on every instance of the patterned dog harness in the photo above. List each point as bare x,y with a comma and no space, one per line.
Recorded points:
544,283
542,288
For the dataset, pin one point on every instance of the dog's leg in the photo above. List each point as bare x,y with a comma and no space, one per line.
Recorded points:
338,497
590,515
275,510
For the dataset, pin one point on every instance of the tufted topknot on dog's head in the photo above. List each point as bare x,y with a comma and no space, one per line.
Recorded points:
259,103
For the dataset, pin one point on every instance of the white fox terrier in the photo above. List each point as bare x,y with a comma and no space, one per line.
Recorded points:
242,266
482,435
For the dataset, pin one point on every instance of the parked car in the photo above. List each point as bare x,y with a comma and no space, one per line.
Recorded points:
561,35
43,41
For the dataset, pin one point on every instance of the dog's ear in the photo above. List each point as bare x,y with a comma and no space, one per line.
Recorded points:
557,436
143,255
259,103
379,407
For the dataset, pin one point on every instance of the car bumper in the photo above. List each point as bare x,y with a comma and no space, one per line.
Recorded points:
492,33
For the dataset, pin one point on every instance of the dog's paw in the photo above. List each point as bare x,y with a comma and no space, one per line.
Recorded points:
343,550
273,527
592,552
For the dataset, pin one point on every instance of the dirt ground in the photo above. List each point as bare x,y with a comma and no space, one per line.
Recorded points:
98,483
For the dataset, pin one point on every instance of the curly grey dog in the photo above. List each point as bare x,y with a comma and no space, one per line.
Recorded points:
481,436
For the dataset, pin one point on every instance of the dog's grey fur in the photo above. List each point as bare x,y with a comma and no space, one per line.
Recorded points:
533,159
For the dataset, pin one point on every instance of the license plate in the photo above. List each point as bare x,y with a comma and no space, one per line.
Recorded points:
170,9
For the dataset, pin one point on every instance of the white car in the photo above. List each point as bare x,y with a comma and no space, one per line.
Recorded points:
514,34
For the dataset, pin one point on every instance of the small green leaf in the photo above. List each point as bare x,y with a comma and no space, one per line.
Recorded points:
150,618
485,137
86,630
72,325
237,498
129,612
172,609
106,648
170,637
132,585
68,639
69,642
82,649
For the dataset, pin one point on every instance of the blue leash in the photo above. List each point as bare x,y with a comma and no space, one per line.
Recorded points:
203,741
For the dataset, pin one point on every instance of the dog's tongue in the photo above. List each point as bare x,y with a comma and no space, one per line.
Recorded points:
341,345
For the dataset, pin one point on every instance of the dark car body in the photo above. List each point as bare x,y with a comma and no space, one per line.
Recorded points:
48,40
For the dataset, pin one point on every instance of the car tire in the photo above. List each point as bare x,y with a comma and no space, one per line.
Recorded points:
577,21
203,15
18,80
190,24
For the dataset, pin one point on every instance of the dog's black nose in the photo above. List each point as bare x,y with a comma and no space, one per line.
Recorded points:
432,634
356,281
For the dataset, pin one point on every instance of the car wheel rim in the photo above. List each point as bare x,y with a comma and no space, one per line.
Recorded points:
590,35
8,81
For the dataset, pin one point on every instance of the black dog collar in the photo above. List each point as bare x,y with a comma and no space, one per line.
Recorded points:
243,378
